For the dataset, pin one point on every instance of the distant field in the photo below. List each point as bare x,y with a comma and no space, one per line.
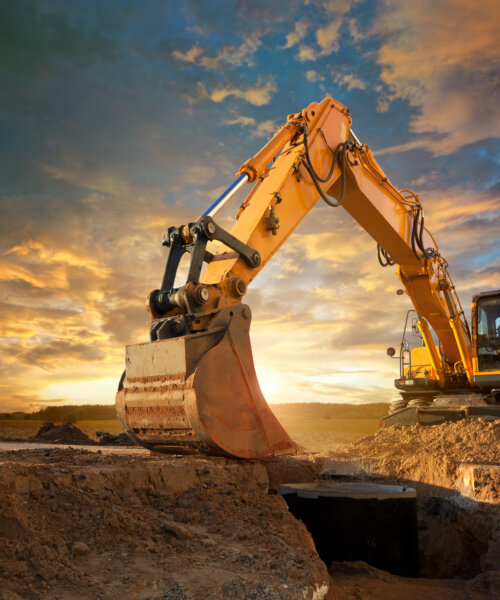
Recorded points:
320,427
317,427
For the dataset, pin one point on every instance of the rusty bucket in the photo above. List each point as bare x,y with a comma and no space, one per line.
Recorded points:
199,393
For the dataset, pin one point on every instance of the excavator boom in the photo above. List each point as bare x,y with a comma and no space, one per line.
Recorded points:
193,386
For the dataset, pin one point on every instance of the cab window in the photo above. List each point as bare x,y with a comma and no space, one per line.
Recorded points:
488,334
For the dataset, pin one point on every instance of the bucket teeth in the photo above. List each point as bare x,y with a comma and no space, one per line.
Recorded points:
199,393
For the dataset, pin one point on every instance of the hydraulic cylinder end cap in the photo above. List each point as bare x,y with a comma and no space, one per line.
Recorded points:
239,286
209,228
202,294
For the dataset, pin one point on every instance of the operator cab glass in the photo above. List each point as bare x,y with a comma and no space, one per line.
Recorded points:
488,334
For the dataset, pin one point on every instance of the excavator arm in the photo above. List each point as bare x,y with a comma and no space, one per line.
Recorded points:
193,386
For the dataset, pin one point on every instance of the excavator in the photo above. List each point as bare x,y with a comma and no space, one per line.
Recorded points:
193,388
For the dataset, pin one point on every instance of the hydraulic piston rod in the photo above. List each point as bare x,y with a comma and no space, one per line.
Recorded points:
224,198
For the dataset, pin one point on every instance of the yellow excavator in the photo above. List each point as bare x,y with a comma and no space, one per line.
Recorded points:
193,387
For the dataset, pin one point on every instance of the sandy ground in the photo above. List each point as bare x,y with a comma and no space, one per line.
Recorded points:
87,524
101,522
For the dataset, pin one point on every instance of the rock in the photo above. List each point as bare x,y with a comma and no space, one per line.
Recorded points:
180,532
108,439
79,549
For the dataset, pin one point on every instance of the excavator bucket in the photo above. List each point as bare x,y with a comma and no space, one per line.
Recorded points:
199,393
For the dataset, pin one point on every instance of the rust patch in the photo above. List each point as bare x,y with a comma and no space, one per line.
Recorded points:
156,411
157,378
158,389
165,436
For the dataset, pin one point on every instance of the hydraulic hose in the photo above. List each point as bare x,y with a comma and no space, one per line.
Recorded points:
384,258
340,151
417,234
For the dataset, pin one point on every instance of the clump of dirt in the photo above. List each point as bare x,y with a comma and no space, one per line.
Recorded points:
66,433
108,439
76,524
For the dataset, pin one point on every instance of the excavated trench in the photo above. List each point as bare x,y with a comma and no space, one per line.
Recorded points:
437,534
351,521
454,469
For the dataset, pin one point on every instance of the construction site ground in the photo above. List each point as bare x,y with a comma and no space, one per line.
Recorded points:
88,521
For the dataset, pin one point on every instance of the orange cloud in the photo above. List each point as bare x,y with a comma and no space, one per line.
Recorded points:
234,55
443,58
258,95
295,36
256,129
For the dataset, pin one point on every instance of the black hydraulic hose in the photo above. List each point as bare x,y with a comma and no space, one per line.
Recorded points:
428,252
414,232
308,158
421,234
418,235
384,258
316,179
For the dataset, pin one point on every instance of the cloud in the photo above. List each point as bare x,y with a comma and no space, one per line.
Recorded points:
314,76
258,95
233,55
327,37
422,142
306,53
102,153
349,80
191,56
265,128
297,35
36,252
444,60
353,27
47,355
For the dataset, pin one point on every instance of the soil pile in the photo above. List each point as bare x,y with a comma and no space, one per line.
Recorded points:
66,433
429,455
83,525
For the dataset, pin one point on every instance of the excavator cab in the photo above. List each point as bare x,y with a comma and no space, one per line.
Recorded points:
486,339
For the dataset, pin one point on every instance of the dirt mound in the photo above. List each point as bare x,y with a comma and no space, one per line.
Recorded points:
424,454
468,440
82,525
66,433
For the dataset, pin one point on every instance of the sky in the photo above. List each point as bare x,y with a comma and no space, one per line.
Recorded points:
121,118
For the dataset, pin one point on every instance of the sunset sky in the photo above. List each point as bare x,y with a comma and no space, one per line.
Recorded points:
121,118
